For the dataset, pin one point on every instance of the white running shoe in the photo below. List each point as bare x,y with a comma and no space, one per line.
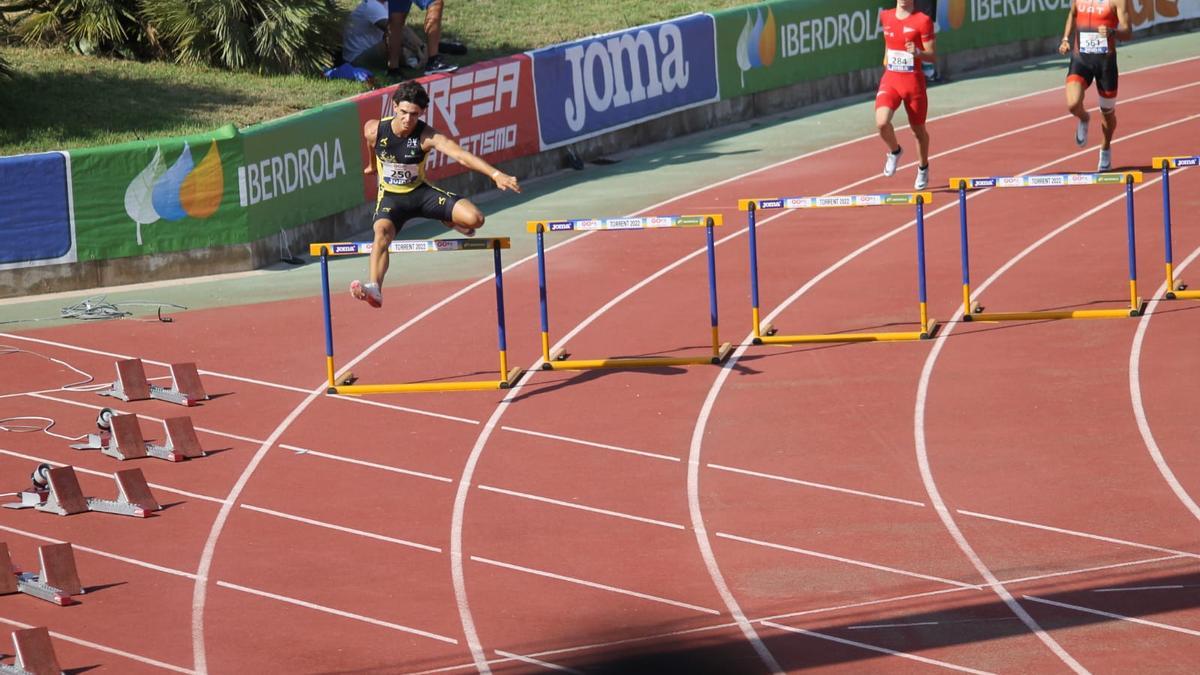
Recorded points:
922,181
1081,131
889,164
368,293
1105,160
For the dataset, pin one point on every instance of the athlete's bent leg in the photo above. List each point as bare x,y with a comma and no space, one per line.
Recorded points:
887,132
1075,89
922,136
466,217
385,232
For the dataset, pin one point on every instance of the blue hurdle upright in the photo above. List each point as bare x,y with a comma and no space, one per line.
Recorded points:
1176,289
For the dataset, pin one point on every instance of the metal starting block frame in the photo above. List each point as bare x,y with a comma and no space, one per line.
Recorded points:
125,441
64,496
558,360
56,581
973,311
1176,289
131,384
35,654
766,334
508,377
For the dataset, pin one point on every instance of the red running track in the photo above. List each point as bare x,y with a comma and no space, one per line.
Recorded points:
1007,497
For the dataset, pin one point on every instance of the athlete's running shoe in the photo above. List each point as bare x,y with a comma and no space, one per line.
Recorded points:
1081,131
922,181
1105,162
889,164
368,293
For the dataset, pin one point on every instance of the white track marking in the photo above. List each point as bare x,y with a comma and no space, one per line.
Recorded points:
543,664
603,446
362,462
919,421
1139,410
340,528
581,507
102,648
1110,615
338,612
848,561
1076,533
1098,568
1126,589
873,648
593,584
102,554
822,486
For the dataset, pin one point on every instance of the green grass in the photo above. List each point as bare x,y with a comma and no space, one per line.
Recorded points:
60,100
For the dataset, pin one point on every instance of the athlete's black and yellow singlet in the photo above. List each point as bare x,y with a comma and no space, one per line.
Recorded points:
403,191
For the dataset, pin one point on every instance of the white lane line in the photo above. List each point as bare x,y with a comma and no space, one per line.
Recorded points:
913,624
822,486
1127,589
535,662
922,450
1111,615
391,406
362,462
849,561
593,584
337,612
581,507
102,474
102,554
340,528
1139,410
873,648
102,648
1076,533
603,446
1098,568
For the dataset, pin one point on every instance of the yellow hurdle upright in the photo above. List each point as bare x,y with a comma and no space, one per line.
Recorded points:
973,311
766,334
1176,289
508,376
559,358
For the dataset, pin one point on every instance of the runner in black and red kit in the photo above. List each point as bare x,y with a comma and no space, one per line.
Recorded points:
908,40
1091,34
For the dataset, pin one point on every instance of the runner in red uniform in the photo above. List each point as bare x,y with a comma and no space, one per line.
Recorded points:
1091,34
908,40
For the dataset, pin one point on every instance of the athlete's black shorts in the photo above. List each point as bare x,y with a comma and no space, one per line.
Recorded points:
1099,67
424,201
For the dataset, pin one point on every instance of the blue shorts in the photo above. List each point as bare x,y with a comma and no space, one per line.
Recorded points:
403,6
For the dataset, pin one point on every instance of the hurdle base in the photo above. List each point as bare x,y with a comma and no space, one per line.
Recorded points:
892,336
766,330
1180,292
474,385
640,361
1123,313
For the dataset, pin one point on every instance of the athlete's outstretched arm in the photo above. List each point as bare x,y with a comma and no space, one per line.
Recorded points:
447,146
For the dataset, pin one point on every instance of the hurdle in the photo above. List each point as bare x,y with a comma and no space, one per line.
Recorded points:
1176,289
973,311
767,334
559,359
508,376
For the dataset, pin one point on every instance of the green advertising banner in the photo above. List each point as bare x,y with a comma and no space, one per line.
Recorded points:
150,197
775,44
970,24
301,168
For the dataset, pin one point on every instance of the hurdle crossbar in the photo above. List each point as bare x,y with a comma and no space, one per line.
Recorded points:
767,334
1176,289
508,376
973,311
559,358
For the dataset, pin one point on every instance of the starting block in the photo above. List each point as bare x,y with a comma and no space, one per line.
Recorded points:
559,359
131,384
767,334
35,654
972,311
56,581
62,495
1176,289
123,439
508,376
